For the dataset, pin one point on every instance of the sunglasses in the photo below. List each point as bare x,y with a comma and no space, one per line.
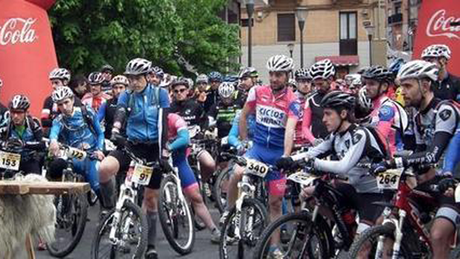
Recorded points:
179,90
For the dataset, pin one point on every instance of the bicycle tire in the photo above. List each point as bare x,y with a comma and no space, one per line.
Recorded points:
165,207
142,244
217,190
247,203
80,228
92,198
372,234
319,227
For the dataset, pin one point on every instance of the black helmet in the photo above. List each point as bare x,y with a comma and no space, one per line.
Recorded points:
107,67
302,73
338,99
378,73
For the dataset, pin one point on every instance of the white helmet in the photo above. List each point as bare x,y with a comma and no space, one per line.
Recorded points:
363,100
61,93
353,80
226,89
60,73
437,51
120,79
280,63
19,102
95,78
138,66
322,69
190,83
418,69
1,83
203,78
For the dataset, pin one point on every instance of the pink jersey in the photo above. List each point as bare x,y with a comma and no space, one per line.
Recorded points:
300,139
175,124
272,112
385,117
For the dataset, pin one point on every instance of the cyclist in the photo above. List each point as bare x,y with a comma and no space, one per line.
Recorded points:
248,77
144,108
179,139
353,82
107,110
276,110
107,73
447,86
303,80
4,114
348,144
322,75
223,112
79,128
387,115
156,75
79,85
201,87
215,78
26,130
96,97
435,123
194,115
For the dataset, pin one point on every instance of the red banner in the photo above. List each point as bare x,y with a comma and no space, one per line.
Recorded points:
434,27
27,52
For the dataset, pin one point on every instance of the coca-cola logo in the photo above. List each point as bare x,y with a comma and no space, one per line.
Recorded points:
17,30
439,25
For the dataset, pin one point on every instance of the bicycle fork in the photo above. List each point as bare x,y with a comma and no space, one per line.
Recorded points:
126,193
398,223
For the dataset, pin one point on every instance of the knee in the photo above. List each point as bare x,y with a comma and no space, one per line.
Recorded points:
441,231
275,203
195,196
108,167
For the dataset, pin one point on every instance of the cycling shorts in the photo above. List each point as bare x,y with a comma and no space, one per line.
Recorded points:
186,175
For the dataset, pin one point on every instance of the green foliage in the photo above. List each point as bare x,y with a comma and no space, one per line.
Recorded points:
89,33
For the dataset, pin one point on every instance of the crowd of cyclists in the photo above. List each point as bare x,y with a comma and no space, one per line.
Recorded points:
373,117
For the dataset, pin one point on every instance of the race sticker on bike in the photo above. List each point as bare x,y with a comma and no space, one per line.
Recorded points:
142,174
302,178
9,161
256,168
389,180
76,153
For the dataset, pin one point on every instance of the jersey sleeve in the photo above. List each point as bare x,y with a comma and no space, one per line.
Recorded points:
446,119
101,112
164,98
294,109
97,128
234,131
56,128
452,154
123,100
251,99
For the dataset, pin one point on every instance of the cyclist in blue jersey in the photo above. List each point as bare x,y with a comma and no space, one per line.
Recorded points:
452,155
74,128
144,107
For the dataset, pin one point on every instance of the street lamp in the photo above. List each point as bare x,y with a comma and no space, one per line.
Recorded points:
290,47
370,31
250,11
301,13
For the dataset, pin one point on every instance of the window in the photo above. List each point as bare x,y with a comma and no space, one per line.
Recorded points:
348,33
397,8
286,27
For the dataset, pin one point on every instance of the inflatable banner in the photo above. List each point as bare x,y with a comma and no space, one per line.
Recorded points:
27,52
438,23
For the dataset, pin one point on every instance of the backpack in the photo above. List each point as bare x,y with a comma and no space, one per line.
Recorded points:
403,118
88,119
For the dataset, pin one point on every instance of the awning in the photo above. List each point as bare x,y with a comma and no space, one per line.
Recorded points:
341,60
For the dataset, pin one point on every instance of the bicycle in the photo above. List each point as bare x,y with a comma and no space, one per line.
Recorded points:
247,219
174,212
126,224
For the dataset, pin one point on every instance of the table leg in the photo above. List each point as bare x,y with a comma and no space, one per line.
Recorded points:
30,247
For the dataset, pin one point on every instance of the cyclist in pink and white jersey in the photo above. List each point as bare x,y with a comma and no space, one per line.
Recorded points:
303,80
387,115
277,110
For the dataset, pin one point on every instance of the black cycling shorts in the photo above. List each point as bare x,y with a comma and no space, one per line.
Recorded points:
145,151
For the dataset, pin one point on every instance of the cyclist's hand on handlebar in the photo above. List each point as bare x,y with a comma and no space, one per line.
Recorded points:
447,186
379,167
284,163
54,147
99,155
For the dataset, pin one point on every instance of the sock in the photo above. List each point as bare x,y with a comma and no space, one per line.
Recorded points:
107,194
152,223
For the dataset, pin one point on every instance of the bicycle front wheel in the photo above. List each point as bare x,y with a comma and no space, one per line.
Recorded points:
130,239
175,217
242,230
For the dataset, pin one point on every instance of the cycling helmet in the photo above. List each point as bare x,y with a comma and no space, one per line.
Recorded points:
215,76
166,81
120,79
138,66
107,67
418,69
353,80
293,83
202,79
378,73
302,74
363,101
190,83
395,65
180,81
338,99
158,71
322,69
280,63
1,83
19,102
226,90
95,78
248,72
61,93
60,73
437,51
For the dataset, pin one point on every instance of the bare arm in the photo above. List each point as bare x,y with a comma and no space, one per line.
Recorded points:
288,136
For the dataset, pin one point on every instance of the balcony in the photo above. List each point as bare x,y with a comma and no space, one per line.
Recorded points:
395,19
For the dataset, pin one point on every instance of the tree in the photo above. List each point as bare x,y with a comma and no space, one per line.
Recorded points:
88,34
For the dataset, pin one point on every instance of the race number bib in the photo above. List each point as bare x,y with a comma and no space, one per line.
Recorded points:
10,161
389,180
302,178
142,174
76,153
256,168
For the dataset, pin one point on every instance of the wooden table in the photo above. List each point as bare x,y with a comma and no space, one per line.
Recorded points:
43,188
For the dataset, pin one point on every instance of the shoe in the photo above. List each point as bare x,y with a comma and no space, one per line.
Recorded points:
223,218
151,253
215,236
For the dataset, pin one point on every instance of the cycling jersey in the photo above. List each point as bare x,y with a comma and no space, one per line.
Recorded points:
75,132
190,111
312,125
452,154
30,132
95,101
299,138
355,145
233,135
212,97
272,112
107,113
448,88
143,121
50,111
224,115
